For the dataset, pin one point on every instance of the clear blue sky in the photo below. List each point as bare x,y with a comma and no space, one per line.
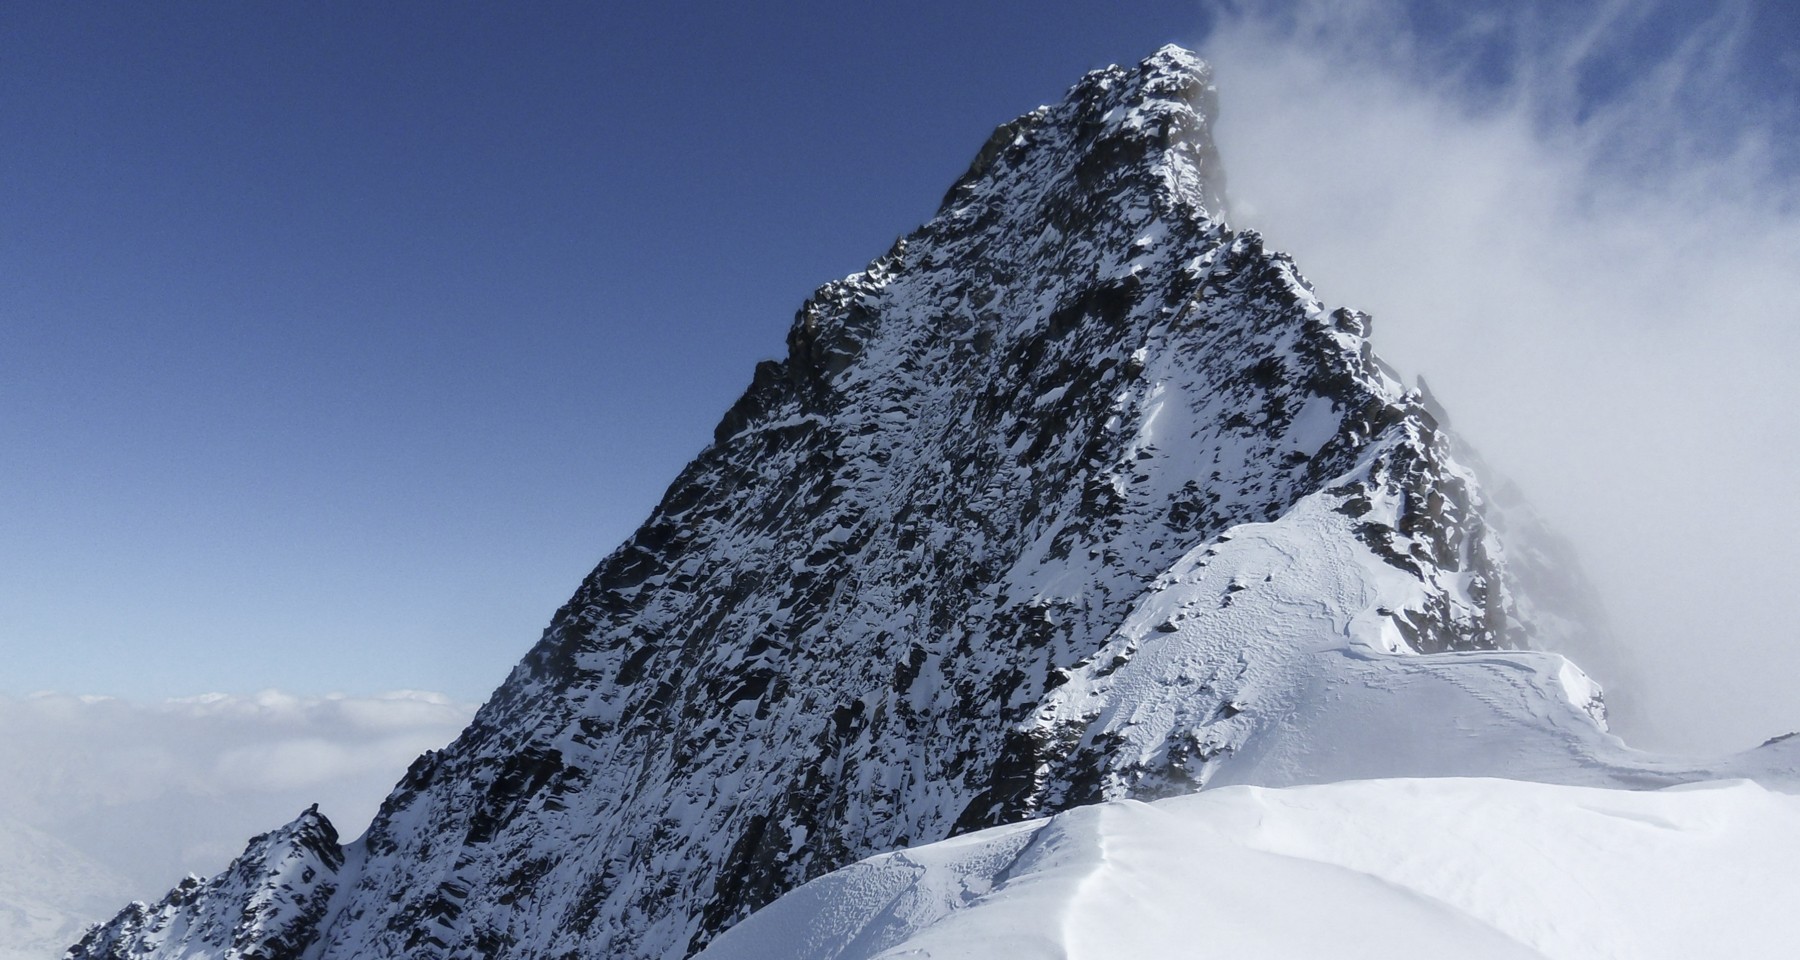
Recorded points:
339,341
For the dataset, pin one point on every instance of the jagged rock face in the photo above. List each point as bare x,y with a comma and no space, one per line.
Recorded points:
269,904
842,630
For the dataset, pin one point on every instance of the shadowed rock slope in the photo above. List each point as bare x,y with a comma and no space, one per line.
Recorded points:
845,628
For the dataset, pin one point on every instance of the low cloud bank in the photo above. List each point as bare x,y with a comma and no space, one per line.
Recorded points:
1573,220
149,791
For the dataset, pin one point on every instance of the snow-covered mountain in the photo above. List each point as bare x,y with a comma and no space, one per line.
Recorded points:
1077,494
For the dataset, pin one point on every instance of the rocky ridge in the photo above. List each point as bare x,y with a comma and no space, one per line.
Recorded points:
269,903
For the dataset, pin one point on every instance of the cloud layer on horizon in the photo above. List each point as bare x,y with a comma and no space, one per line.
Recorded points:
153,790
1600,286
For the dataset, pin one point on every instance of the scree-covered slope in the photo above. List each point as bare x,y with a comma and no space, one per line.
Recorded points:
1075,494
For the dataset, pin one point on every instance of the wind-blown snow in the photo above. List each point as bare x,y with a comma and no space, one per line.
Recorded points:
1380,869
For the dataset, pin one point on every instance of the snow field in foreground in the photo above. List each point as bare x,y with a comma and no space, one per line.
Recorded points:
1390,869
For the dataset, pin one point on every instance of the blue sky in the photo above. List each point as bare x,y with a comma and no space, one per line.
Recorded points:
339,341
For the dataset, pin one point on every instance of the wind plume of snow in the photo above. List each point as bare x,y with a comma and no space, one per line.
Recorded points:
1578,222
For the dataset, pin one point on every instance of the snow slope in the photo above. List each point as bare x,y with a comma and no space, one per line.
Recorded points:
1384,869
1271,656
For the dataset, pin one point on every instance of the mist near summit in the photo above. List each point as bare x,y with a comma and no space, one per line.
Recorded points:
1577,222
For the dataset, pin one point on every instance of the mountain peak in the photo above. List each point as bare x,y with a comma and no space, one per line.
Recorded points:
1119,130
1174,58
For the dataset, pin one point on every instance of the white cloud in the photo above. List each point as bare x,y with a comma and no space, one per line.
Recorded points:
49,893
149,791
1602,291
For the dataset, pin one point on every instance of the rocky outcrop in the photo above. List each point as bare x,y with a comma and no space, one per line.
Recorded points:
268,905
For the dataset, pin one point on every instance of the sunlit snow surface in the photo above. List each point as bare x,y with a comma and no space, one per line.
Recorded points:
1385,869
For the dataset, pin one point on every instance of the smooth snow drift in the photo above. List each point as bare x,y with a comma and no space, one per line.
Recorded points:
1388,869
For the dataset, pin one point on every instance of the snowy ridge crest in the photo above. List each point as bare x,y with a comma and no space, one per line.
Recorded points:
1075,494
1414,869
